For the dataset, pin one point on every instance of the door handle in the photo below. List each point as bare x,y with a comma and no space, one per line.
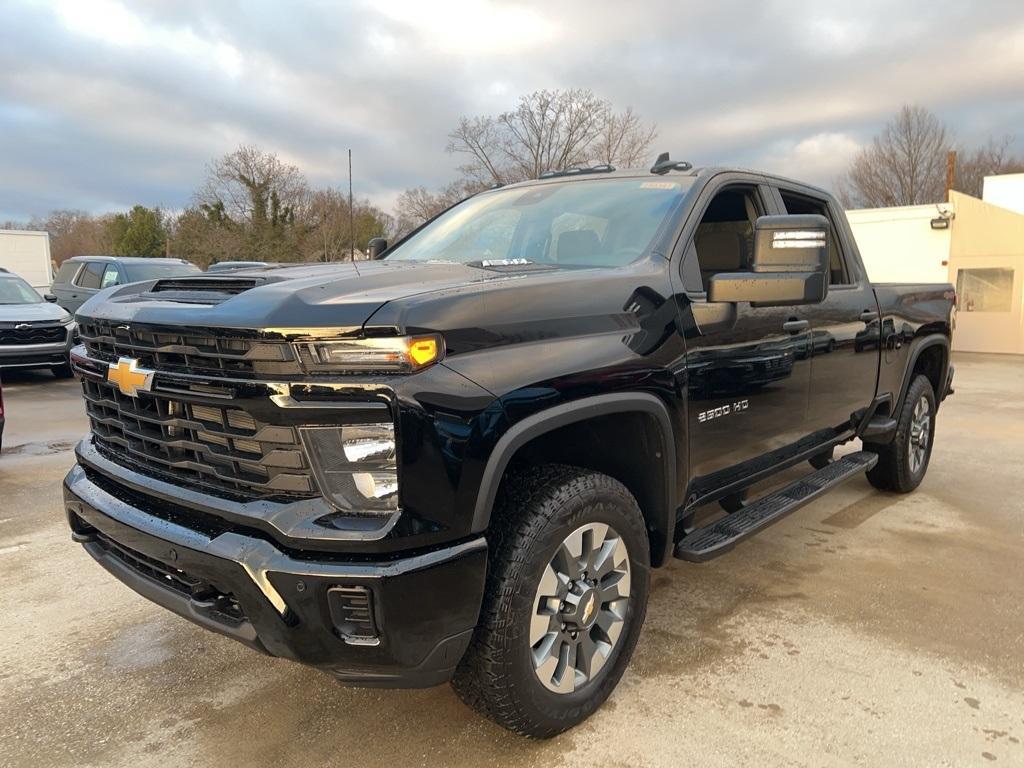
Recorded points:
868,315
795,326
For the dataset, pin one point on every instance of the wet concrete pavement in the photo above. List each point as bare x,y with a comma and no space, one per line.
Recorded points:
865,629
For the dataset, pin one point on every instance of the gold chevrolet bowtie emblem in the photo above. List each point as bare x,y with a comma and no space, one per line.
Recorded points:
130,379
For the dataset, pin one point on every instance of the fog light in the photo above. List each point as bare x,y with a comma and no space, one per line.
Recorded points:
376,485
352,615
355,466
369,442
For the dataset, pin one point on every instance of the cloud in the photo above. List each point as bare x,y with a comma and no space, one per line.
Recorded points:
107,103
820,156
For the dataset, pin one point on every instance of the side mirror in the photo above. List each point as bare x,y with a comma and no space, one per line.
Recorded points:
790,264
376,247
50,298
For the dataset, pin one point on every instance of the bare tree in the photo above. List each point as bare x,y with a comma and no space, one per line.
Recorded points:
904,165
625,140
991,158
75,233
417,205
331,231
548,130
254,187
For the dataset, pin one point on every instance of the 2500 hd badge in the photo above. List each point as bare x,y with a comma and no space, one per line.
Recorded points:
460,460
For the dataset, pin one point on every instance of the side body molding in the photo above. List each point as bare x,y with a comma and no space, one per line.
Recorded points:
661,520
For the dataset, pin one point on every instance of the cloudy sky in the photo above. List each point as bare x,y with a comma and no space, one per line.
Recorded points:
107,103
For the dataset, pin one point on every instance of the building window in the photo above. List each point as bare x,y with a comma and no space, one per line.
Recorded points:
984,290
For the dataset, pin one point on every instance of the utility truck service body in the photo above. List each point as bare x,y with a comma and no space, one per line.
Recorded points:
26,253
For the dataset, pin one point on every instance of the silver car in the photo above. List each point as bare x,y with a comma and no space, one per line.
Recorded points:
81,277
33,332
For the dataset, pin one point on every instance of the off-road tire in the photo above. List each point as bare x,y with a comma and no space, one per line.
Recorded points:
537,508
893,471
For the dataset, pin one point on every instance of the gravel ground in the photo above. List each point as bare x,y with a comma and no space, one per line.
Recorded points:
866,629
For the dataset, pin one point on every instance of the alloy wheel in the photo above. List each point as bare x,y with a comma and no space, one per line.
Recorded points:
920,434
580,607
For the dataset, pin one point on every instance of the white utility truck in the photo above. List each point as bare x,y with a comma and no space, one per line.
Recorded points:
27,254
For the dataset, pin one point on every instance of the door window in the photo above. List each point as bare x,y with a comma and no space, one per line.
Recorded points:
984,290
110,277
67,271
724,241
799,204
90,276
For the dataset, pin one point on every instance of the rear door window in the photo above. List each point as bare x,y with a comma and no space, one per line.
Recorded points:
67,271
110,277
799,204
91,276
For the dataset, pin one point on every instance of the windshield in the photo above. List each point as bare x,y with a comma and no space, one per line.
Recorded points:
153,270
14,290
592,223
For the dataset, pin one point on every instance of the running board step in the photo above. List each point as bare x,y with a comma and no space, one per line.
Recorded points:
723,534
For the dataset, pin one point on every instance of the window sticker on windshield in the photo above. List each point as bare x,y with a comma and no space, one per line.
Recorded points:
659,185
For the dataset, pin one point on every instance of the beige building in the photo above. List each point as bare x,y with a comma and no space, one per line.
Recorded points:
977,245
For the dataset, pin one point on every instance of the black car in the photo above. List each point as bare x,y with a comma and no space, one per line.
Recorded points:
462,460
33,333
81,277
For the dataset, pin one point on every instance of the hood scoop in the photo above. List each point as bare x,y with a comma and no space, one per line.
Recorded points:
201,290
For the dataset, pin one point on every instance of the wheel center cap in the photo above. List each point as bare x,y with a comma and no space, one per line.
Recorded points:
589,609
581,609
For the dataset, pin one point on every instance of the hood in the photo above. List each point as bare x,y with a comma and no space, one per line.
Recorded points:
32,313
340,296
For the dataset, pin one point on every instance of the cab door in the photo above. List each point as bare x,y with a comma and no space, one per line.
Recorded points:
844,331
746,372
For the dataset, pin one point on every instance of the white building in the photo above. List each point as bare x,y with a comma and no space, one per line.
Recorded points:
977,245
1006,191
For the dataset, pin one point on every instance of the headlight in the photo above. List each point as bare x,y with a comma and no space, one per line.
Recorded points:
355,465
404,354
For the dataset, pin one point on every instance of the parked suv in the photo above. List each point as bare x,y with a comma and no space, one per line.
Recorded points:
461,461
33,334
80,277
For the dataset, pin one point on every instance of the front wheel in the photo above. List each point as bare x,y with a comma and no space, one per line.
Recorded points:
903,462
565,599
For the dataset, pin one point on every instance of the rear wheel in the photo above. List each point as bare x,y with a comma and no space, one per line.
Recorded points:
902,464
565,599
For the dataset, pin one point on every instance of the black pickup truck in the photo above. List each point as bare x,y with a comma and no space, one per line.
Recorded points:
461,459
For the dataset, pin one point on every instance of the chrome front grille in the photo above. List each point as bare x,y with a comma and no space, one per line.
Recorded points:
188,350
221,449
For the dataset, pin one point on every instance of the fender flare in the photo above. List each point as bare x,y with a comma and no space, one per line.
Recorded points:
549,419
927,342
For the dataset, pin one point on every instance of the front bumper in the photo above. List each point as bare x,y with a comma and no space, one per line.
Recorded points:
36,355
423,607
